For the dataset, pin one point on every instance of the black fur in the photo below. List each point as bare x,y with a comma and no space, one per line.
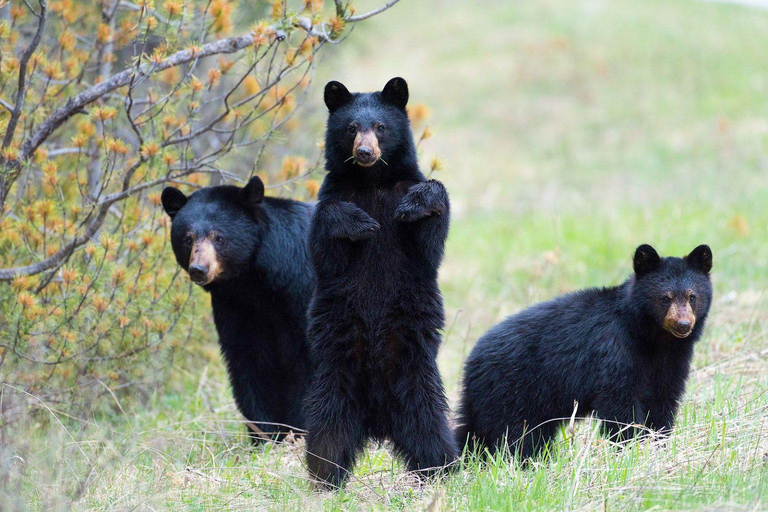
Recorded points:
604,348
376,242
261,297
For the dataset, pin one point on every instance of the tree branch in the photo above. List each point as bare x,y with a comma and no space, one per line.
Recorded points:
21,90
339,8
374,12
76,104
61,256
7,274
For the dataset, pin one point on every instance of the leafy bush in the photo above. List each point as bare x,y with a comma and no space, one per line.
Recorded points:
102,105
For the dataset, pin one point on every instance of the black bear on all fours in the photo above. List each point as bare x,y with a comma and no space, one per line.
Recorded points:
622,353
250,253
376,242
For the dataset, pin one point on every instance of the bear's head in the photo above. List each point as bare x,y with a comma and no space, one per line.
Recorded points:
368,131
216,231
674,292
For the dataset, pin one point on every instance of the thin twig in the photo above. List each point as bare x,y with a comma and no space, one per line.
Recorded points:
372,13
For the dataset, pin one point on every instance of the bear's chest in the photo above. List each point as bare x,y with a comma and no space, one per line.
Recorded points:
384,249
664,376
381,202
380,268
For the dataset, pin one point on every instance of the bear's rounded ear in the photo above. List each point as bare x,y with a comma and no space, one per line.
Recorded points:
700,259
253,193
396,92
646,260
173,200
336,96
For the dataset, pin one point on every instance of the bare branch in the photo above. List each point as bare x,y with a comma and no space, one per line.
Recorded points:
374,12
339,8
64,151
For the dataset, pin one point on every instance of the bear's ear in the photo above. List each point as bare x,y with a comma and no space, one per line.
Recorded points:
646,260
173,200
336,96
700,259
396,92
253,193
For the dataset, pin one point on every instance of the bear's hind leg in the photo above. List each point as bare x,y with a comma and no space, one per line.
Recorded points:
420,431
331,455
336,432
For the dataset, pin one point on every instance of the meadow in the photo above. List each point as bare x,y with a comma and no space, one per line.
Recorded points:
568,133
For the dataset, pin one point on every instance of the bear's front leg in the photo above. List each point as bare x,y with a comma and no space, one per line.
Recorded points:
336,226
621,420
662,418
424,216
347,221
251,405
423,200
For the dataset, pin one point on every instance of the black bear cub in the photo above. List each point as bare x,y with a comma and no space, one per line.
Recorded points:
250,253
622,353
376,242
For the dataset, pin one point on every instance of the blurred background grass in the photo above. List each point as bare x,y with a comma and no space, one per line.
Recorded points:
570,132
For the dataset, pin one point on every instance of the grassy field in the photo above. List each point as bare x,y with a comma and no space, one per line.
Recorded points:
570,132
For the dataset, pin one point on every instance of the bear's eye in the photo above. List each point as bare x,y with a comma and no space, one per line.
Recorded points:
666,299
188,241
352,130
218,239
381,128
692,299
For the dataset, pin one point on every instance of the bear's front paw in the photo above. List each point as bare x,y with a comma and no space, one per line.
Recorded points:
421,201
354,224
363,230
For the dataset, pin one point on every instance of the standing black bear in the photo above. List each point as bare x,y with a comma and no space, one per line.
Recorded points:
376,242
622,353
250,253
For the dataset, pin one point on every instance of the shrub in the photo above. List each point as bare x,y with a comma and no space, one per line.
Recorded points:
102,105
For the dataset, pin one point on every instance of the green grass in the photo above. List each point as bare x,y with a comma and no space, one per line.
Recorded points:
571,131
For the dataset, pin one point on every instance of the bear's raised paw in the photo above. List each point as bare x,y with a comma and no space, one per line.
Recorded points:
421,201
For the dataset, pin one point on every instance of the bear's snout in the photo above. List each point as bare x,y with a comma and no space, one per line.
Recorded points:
364,153
198,273
204,264
683,328
680,319
366,148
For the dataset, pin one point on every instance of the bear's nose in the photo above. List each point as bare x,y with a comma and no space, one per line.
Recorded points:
364,153
198,273
683,326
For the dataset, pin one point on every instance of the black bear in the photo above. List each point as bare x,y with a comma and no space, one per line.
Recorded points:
622,353
250,253
376,242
